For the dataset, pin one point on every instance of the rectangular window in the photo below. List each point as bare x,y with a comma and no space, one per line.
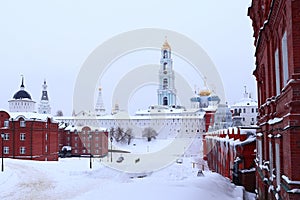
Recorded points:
277,72
46,148
22,150
46,136
277,154
6,123
22,123
6,150
22,136
6,136
285,64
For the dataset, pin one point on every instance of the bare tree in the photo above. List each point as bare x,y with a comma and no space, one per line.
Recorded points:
128,135
149,133
59,113
122,136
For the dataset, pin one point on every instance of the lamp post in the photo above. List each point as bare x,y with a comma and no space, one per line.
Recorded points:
2,163
90,138
111,140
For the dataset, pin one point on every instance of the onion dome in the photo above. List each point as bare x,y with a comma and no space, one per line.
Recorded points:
205,92
22,94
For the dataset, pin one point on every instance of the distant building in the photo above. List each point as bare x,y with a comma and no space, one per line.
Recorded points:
276,26
21,101
29,135
173,117
99,107
245,111
44,106
84,140
222,118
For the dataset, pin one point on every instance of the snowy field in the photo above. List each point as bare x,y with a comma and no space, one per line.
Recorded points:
71,178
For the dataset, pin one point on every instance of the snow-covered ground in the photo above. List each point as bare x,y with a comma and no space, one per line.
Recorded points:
71,178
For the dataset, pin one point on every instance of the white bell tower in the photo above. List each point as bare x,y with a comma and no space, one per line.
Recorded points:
166,92
44,106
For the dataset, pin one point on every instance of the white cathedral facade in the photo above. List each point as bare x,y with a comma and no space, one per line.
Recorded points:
22,101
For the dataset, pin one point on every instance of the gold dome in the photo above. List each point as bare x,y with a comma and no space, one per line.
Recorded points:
204,92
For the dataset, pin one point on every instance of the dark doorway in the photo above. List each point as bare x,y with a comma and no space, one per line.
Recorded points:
165,101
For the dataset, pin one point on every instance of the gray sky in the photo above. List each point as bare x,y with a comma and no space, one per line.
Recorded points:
52,39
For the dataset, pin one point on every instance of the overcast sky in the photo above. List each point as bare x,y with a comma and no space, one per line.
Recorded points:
52,39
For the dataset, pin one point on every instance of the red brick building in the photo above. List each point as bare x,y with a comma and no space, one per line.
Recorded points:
29,136
230,152
83,140
276,25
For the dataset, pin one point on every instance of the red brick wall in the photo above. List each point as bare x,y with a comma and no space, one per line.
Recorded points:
35,138
283,15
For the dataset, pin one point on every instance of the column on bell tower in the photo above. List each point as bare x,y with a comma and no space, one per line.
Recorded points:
166,92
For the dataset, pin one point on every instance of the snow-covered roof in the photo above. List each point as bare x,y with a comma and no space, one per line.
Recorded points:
245,102
73,128
143,115
249,140
31,116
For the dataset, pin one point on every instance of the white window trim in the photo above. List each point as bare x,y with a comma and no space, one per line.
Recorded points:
285,63
277,72
259,152
6,136
22,136
277,155
271,159
22,150
6,150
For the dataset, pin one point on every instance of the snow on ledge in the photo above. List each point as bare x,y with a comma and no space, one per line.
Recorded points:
248,170
275,120
290,181
259,134
295,190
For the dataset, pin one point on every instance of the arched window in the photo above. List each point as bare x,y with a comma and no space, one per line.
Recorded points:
165,83
165,101
165,54
165,66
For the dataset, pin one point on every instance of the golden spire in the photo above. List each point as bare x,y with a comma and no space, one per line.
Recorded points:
166,44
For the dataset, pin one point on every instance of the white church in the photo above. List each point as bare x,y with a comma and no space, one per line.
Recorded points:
22,101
